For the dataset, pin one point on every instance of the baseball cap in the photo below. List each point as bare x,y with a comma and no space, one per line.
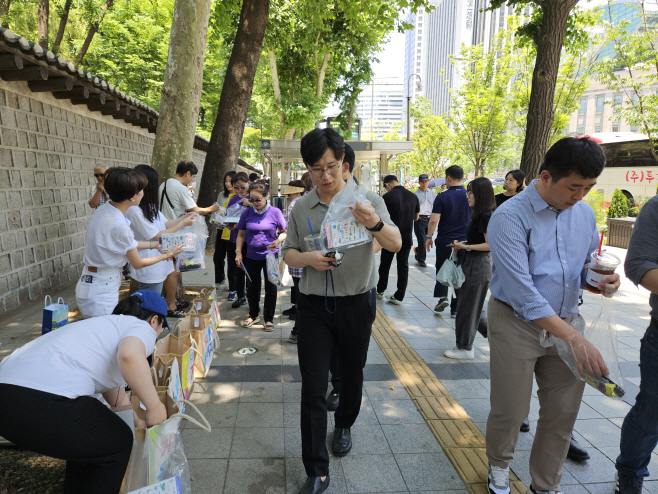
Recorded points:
423,177
154,302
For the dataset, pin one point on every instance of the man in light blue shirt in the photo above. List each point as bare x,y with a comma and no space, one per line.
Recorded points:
541,241
426,198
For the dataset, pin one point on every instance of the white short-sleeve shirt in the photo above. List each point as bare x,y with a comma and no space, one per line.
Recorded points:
79,359
180,198
144,230
108,238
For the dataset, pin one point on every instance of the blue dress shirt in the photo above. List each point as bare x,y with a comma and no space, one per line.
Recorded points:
539,254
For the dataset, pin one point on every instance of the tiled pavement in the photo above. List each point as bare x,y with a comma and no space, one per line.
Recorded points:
252,404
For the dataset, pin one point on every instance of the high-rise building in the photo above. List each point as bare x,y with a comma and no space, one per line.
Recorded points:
381,113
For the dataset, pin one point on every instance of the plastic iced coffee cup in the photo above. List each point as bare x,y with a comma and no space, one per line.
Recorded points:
601,267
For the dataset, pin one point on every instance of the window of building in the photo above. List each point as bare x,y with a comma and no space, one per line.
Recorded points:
599,105
418,58
636,100
597,126
617,103
583,106
633,128
581,129
615,126
418,51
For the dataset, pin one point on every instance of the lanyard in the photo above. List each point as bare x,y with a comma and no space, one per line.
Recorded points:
326,291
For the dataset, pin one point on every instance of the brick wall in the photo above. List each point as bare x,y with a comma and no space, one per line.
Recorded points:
48,149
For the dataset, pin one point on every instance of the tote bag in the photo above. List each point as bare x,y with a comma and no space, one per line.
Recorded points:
54,315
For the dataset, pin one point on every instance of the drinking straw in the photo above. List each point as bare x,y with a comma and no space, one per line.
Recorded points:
312,234
601,244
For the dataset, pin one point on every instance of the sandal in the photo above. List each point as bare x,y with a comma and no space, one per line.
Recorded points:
175,313
182,305
269,327
249,322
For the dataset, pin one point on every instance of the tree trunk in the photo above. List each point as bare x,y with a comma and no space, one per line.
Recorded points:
181,91
42,20
275,82
350,119
285,173
290,133
549,43
226,137
62,26
4,10
93,29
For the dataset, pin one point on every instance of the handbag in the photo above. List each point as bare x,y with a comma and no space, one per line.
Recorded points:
204,338
450,274
284,274
54,315
184,349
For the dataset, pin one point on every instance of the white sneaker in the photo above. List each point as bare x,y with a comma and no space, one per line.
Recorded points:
380,295
498,480
394,300
544,492
460,354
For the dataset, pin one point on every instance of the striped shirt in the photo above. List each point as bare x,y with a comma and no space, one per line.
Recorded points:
539,255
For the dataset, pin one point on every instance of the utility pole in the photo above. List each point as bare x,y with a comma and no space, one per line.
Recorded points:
420,87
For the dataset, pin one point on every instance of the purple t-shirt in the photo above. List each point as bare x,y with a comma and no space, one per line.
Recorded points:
261,230
233,200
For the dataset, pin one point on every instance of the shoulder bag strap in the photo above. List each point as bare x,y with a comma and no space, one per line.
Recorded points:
164,194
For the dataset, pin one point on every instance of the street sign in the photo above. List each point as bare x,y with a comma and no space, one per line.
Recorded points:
265,144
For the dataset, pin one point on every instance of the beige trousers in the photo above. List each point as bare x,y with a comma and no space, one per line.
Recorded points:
516,354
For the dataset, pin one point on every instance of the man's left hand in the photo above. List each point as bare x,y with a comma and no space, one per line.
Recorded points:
610,284
365,215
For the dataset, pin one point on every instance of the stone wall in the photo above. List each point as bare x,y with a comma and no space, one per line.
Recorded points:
48,149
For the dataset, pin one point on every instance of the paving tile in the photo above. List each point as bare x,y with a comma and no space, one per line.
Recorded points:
651,487
427,471
217,414
599,432
291,373
250,476
296,476
367,415
372,473
207,476
386,390
292,442
573,489
587,412
261,392
292,392
231,345
466,388
291,414
207,392
410,438
456,371
599,468
200,444
476,408
258,443
397,412
260,415
366,440
376,357
607,407
245,373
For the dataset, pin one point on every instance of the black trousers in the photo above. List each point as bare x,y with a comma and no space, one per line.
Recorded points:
442,254
402,258
478,274
294,290
234,271
348,330
218,260
420,230
255,267
94,441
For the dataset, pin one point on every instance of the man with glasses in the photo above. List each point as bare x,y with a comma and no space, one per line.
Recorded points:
98,194
336,302
426,198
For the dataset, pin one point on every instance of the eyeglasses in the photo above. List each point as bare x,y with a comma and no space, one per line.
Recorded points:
253,199
99,175
319,172
237,187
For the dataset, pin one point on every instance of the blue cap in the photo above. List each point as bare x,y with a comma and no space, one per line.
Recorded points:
154,302
423,177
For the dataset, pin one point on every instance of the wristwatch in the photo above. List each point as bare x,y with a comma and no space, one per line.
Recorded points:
377,228
468,248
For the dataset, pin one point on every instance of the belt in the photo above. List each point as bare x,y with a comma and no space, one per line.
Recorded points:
94,269
504,303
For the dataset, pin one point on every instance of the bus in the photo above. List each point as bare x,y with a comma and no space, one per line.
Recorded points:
630,166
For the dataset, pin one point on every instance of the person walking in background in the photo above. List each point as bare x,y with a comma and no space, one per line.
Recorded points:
404,208
476,267
253,177
639,432
98,194
222,236
241,188
263,229
294,191
308,182
514,183
450,217
350,159
541,242
426,198
175,200
147,224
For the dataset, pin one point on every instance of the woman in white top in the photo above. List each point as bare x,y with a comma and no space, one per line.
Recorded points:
49,408
147,224
110,243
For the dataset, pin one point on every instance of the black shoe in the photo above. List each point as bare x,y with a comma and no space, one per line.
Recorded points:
525,425
332,401
288,312
315,485
292,317
342,443
422,264
239,302
293,337
576,451
625,484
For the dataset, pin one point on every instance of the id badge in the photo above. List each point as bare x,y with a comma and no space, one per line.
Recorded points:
86,278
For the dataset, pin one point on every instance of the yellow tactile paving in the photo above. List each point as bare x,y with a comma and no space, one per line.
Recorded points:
462,442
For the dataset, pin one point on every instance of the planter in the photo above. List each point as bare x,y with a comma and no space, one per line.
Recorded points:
619,232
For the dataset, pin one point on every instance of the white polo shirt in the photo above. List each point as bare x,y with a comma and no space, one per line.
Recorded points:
144,230
179,196
108,238
79,359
